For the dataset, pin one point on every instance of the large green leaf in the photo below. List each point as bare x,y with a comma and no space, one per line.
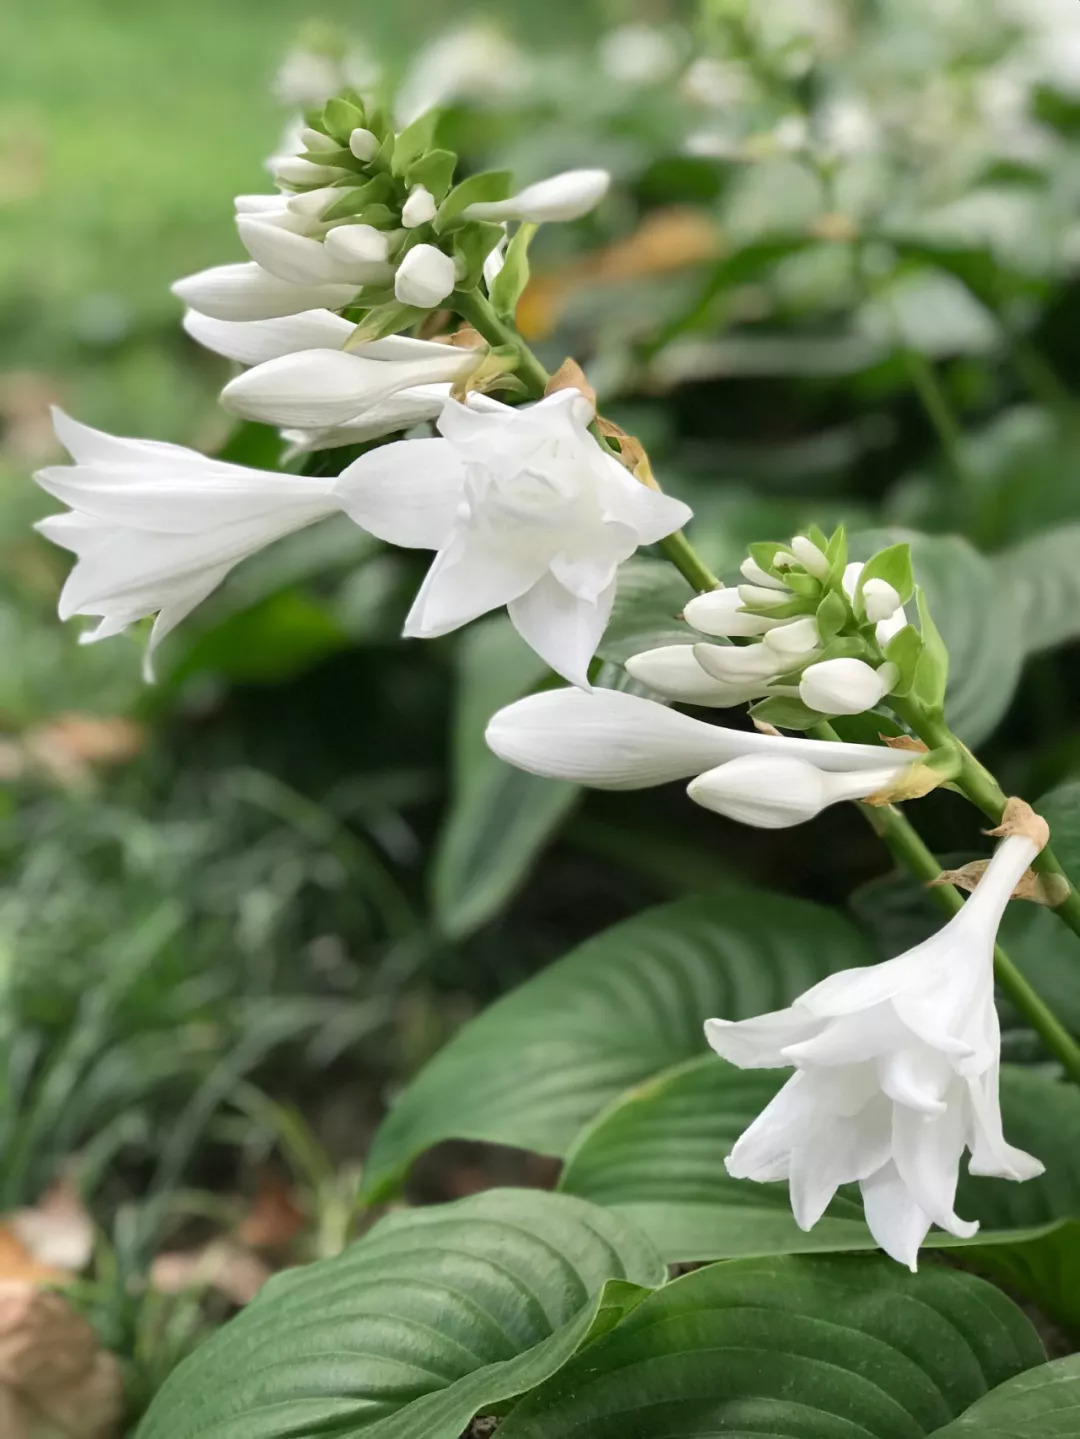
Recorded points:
1043,1403
437,1314
500,817
1061,810
838,1348
657,1156
1042,579
648,610
978,621
627,1004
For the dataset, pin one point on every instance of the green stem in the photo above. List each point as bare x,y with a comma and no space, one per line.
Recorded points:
474,307
912,854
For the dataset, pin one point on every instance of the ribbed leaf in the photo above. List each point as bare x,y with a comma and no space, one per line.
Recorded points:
837,1348
436,1314
500,817
648,608
1042,578
1061,810
1044,1403
539,1064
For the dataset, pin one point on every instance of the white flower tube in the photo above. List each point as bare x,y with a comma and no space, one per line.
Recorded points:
425,277
772,792
248,292
316,389
845,686
399,412
156,527
746,665
563,197
896,1075
253,342
721,613
611,740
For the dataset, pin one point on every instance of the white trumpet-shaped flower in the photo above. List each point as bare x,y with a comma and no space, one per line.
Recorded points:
536,517
155,527
248,292
897,1070
771,792
610,740
562,197
316,389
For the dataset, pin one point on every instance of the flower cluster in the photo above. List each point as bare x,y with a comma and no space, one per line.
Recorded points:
816,635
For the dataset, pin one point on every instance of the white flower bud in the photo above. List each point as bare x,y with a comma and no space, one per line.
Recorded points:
364,144
674,672
845,686
745,665
425,277
358,244
850,581
892,626
880,600
763,597
419,208
563,197
774,792
813,560
752,571
720,612
312,203
315,141
792,640
292,170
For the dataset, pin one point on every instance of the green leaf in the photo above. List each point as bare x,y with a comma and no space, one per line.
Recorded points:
341,117
355,199
473,243
500,817
648,611
435,171
818,1348
930,681
786,712
905,651
540,1063
413,141
1061,810
832,615
483,188
510,282
1042,578
657,1156
383,320
979,624
435,1315
892,565
1043,1403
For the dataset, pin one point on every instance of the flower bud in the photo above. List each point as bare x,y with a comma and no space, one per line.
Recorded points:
352,245
563,197
845,686
775,792
852,575
674,672
419,208
720,612
292,170
752,571
763,596
813,560
880,600
425,277
793,640
364,144
734,665
314,140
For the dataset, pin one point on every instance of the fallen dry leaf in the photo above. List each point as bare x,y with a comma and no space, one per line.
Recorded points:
274,1219
53,1370
224,1265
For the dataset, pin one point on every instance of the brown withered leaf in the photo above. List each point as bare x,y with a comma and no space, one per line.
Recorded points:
570,376
630,452
53,1369
910,783
230,1268
904,742
1020,819
18,1265
57,1231
1049,890
274,1219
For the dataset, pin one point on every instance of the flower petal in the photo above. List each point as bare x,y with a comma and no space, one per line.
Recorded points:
762,1042
926,1152
467,579
893,1217
253,342
673,672
563,629
248,292
406,493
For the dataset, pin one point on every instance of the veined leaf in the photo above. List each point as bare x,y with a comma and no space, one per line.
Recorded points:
1043,1403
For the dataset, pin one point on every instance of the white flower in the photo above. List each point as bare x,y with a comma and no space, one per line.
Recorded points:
401,411
813,560
316,389
536,517
156,527
248,292
253,342
425,277
880,600
793,641
360,247
419,209
896,1075
745,665
611,740
562,197
845,686
675,672
294,171
721,613
364,144
776,793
